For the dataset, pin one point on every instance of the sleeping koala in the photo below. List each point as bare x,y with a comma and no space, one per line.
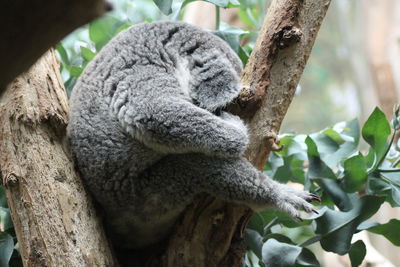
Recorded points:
147,132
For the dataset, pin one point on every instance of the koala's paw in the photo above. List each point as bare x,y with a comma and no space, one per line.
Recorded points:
272,142
292,201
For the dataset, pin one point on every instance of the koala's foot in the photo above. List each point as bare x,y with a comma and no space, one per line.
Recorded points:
292,201
272,142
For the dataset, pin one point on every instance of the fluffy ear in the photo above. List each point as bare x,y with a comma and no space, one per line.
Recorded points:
215,83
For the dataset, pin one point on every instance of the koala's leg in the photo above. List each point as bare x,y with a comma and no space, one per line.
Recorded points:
177,178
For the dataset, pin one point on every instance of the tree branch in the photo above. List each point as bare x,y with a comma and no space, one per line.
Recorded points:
54,219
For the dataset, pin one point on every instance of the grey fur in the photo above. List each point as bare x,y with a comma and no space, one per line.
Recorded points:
145,138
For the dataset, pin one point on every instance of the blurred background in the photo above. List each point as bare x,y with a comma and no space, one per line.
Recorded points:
354,67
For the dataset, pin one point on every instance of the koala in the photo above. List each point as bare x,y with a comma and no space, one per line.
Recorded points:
148,132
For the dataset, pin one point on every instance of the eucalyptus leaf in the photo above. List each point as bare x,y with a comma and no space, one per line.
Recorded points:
396,194
5,219
338,227
254,241
333,146
102,30
256,223
317,168
336,193
87,53
63,53
75,71
375,132
275,253
164,6
355,173
357,253
231,35
6,248
3,200
307,258
389,230
278,251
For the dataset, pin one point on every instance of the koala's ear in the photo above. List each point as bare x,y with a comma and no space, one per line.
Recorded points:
216,84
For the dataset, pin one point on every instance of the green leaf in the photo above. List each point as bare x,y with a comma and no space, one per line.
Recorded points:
69,84
256,223
243,55
317,168
254,240
275,253
102,30
63,53
385,184
375,132
281,253
357,253
124,27
355,173
292,145
247,17
389,230
87,53
334,135
325,177
164,6
231,35
395,194
5,219
6,248
75,71
3,200
338,227
307,258
338,142
336,193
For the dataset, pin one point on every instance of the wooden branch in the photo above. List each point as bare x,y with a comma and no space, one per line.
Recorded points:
55,222
211,231
30,28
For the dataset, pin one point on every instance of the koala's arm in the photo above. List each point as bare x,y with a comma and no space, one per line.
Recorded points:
174,125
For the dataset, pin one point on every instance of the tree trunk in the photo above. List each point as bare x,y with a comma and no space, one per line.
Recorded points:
55,222
211,231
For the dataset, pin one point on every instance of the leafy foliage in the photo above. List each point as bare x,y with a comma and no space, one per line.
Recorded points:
352,187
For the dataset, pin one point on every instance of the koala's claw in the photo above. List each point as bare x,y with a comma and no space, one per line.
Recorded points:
313,197
273,142
292,201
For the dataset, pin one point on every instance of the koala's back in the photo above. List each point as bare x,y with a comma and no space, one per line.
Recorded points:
108,156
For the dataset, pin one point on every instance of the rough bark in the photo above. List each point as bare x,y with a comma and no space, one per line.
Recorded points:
30,28
211,231
55,222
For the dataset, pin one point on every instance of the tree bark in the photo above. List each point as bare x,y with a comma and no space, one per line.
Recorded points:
55,222
211,231
30,28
